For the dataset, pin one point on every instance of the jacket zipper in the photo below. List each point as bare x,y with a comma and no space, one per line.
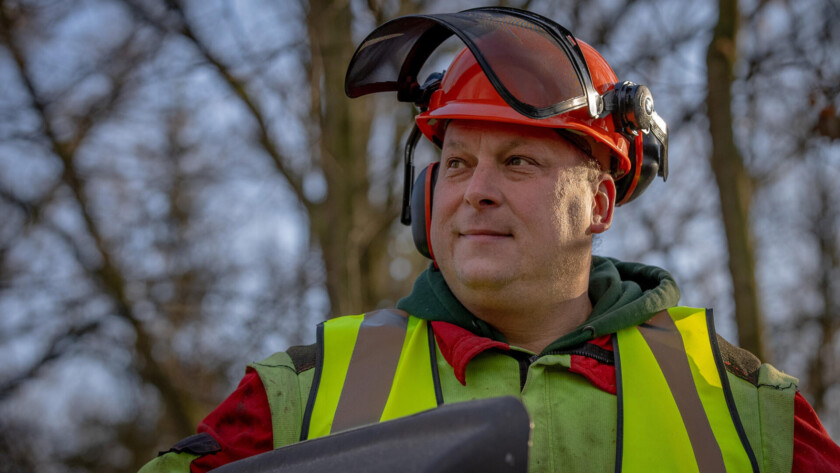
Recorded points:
525,361
607,360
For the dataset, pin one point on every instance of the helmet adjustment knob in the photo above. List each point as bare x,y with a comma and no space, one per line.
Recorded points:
635,107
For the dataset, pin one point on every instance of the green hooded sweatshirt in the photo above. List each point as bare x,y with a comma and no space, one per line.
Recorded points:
622,295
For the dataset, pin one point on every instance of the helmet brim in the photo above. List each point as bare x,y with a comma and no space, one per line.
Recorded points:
432,125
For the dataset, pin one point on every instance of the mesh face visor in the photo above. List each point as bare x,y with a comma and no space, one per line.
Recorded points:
534,64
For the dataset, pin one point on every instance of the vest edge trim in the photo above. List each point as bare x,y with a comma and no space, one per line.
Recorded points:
619,417
433,359
727,391
316,382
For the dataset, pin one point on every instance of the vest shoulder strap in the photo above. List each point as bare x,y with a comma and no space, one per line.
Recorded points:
287,382
370,368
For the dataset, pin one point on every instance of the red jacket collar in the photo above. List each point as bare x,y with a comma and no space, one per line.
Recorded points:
459,346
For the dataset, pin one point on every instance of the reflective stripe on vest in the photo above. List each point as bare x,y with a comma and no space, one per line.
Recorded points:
361,377
676,409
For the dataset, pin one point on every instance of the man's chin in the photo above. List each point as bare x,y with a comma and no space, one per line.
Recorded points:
484,277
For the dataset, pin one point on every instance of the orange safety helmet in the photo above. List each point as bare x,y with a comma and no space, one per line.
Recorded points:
466,93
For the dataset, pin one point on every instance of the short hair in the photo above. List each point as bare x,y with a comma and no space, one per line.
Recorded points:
590,163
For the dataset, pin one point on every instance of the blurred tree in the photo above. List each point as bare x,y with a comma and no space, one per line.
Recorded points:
824,372
733,181
786,88
108,247
334,182
66,116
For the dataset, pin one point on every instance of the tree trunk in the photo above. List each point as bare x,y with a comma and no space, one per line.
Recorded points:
352,232
732,179
823,369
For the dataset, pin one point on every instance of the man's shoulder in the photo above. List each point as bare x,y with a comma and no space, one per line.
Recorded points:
745,365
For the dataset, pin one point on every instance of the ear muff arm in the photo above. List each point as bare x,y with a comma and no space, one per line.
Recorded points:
408,174
659,129
423,95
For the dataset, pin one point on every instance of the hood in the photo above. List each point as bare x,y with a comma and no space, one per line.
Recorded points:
622,295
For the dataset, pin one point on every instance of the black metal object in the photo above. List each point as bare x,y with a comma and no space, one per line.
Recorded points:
488,435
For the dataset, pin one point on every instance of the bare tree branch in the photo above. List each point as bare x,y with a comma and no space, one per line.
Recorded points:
238,86
107,275
57,347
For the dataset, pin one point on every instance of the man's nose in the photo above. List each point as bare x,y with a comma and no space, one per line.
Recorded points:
483,188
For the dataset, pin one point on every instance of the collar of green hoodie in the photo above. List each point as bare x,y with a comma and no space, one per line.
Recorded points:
622,295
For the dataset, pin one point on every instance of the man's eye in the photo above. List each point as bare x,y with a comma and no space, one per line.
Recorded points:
454,163
517,161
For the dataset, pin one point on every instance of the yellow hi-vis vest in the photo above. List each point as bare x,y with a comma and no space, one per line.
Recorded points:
675,408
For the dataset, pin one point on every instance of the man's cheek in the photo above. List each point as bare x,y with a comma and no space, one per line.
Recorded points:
436,235
439,220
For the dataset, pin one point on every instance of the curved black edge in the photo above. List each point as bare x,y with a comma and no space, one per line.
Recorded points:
727,390
372,88
619,418
408,79
433,357
316,381
198,444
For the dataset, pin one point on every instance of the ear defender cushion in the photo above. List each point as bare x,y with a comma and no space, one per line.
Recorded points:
650,165
421,209
643,170
626,186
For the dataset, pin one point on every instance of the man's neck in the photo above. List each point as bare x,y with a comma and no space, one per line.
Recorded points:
532,312
535,328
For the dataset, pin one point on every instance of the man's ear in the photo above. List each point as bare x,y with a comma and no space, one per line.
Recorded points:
603,204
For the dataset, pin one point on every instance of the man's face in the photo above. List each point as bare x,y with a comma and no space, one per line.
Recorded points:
514,204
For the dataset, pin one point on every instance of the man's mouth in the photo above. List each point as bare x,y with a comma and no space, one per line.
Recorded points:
485,233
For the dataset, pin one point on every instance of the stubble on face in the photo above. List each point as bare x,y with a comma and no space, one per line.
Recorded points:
571,216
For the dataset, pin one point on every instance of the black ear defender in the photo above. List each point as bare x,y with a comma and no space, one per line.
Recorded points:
634,115
422,196
417,194
422,95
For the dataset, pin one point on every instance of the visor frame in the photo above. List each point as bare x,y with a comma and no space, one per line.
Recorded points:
406,83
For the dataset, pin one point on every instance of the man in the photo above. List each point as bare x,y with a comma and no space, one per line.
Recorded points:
539,142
